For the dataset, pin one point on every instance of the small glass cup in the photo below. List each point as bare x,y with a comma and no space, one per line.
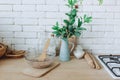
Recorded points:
31,53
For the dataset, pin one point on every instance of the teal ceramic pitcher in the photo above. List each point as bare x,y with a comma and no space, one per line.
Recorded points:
64,50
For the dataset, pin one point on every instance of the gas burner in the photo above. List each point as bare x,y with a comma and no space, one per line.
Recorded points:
111,64
114,59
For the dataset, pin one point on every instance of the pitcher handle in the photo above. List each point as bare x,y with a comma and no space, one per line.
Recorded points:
72,46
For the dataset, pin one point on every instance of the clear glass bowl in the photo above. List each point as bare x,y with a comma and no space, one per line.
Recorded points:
32,59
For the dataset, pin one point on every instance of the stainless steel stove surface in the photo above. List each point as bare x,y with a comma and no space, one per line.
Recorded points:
111,64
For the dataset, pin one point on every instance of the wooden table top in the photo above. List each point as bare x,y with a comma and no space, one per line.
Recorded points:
10,69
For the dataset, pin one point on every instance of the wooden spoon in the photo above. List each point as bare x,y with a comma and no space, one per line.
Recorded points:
43,55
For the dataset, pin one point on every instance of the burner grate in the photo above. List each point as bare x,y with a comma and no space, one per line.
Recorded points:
112,62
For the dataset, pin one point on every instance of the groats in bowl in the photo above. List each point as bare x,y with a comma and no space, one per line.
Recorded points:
39,64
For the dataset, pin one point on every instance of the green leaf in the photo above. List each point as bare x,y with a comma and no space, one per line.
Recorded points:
87,19
72,21
55,32
58,35
73,12
70,2
57,24
56,27
63,32
79,22
77,34
67,14
71,29
60,30
66,22
100,2
74,1
65,28
80,28
85,16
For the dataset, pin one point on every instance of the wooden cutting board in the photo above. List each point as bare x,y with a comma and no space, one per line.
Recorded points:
39,72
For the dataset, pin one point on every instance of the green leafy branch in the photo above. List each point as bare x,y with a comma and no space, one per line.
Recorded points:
100,2
72,25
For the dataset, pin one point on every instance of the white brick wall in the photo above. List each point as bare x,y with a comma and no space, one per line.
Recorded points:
10,2
26,23
33,2
24,8
6,21
47,8
10,28
5,7
25,34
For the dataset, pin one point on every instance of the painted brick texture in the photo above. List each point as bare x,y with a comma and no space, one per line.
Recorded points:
27,23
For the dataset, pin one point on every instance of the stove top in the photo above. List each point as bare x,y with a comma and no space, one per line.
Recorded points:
111,64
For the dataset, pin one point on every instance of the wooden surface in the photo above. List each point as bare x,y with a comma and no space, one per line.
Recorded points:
29,71
11,69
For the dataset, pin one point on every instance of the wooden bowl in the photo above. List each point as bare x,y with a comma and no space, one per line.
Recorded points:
2,49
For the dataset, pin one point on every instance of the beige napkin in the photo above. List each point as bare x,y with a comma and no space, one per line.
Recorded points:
89,60
39,72
97,65
92,61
